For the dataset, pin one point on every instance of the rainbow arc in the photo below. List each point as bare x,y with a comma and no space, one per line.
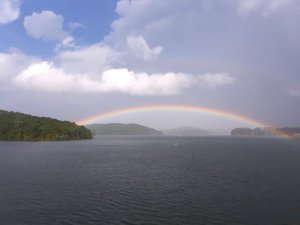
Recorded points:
184,108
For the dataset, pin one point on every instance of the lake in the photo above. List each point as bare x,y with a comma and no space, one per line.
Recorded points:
151,180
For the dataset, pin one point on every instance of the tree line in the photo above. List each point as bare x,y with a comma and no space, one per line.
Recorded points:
16,126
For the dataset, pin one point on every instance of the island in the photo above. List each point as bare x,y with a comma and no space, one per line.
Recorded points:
122,129
15,126
265,131
250,132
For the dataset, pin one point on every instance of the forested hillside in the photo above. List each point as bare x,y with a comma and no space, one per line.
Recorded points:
122,129
21,127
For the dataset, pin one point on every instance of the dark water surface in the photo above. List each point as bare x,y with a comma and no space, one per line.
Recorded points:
151,180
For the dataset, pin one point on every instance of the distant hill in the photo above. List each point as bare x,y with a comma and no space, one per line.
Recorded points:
16,126
291,130
122,129
186,131
258,131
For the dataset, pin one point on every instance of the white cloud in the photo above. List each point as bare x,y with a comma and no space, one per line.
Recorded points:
12,63
68,41
265,6
46,25
45,76
75,25
214,80
139,47
9,10
103,67
145,84
93,59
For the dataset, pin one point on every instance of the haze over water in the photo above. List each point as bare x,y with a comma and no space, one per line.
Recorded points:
151,180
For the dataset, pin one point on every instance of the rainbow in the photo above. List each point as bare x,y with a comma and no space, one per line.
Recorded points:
184,108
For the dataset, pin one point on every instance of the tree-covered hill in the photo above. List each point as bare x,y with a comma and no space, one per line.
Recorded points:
122,129
16,126
265,131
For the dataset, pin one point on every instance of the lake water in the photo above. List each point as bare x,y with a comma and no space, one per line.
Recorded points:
151,180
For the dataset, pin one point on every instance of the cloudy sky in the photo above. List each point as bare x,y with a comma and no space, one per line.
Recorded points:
72,59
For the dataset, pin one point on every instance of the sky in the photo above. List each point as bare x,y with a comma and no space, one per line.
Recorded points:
72,59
